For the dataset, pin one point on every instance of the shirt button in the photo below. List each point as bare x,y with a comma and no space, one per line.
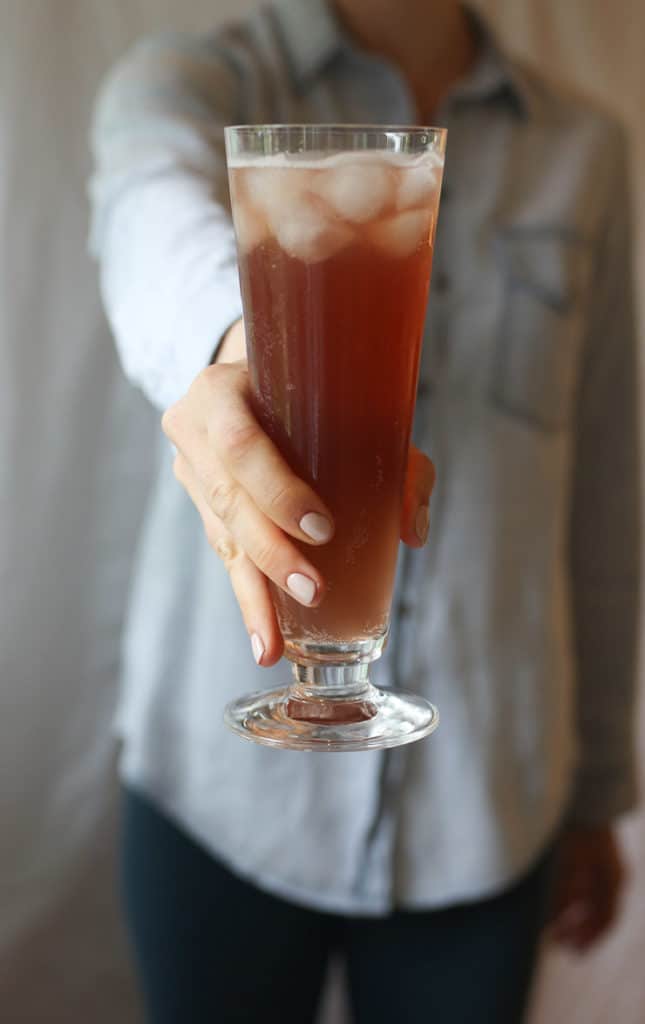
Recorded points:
440,282
405,609
424,389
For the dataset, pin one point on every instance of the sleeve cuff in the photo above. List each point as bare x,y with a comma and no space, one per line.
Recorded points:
198,334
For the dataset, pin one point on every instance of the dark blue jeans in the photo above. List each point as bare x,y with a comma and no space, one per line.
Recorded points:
213,949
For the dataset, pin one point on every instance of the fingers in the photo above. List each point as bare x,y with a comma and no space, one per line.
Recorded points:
246,484
589,884
583,922
249,457
419,484
252,593
254,533
249,584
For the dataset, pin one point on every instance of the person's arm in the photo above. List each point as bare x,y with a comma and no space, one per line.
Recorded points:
161,224
605,574
605,525
164,238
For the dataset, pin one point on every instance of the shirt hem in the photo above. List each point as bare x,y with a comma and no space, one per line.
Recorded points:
347,903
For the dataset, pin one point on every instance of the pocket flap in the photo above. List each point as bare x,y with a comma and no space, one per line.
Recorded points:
551,263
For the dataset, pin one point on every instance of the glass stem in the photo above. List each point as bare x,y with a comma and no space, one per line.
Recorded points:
317,682
331,693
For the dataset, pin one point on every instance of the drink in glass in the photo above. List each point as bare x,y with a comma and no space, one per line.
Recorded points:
335,228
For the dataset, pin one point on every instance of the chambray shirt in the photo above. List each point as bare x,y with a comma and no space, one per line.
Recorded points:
519,618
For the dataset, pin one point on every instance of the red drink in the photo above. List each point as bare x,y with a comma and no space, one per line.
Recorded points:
335,260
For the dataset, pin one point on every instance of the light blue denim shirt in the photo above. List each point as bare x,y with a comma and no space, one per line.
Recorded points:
519,618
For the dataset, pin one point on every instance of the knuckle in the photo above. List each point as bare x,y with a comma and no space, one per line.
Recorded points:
223,546
205,388
280,496
237,441
222,498
268,556
222,375
212,536
170,421
211,377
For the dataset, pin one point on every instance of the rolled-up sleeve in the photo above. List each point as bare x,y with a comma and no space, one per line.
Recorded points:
605,535
161,226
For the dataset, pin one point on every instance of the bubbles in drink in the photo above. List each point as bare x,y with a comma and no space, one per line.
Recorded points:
315,208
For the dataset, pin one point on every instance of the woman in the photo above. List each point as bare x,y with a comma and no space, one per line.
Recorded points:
427,867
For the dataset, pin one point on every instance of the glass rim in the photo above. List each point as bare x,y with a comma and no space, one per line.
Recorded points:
295,139
344,127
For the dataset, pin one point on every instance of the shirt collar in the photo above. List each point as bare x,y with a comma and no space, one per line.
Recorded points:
496,73
313,36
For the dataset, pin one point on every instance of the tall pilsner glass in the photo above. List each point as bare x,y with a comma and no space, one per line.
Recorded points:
335,227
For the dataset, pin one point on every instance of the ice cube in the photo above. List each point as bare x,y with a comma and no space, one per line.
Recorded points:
272,188
417,187
308,234
402,234
356,192
251,227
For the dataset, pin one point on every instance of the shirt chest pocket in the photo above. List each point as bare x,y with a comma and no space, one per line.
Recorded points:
545,281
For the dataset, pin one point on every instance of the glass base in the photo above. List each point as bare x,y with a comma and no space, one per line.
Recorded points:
372,719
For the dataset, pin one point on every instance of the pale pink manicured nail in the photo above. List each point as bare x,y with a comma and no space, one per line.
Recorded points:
422,523
301,587
258,648
316,526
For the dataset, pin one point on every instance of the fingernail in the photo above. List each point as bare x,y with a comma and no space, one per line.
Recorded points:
258,648
316,526
302,588
422,523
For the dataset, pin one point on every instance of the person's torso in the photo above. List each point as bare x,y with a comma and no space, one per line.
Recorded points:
481,617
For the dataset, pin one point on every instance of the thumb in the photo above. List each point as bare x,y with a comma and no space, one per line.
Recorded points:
419,483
